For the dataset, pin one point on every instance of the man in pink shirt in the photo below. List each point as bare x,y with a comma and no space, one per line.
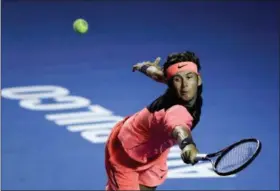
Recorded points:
137,148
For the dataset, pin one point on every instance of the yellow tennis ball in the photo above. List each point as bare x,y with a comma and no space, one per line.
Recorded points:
80,26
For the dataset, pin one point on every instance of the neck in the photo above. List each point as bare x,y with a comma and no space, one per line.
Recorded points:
191,103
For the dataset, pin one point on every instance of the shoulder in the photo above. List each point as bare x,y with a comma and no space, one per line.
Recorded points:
178,111
177,108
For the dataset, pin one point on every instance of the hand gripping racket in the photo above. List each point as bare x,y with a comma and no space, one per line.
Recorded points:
233,158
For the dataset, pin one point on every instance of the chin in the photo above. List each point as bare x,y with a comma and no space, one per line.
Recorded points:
186,99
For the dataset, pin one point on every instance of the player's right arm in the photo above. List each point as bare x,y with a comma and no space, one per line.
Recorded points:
177,123
151,69
186,144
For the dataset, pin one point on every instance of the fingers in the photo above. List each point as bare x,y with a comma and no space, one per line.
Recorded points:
188,159
137,66
193,159
134,68
157,61
185,158
188,155
140,64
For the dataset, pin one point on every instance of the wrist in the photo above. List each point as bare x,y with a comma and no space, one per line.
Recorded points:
187,141
144,68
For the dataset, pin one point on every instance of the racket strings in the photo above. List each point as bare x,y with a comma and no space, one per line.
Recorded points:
236,157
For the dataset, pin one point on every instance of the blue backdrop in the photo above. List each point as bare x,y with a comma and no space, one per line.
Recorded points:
236,42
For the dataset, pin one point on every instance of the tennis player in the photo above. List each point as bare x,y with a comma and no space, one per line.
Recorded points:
137,148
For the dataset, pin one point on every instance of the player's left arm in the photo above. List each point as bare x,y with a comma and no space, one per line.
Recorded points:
151,69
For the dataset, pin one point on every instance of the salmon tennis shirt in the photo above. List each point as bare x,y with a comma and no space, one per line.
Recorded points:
146,135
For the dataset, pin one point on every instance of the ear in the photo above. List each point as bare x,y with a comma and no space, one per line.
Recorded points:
199,80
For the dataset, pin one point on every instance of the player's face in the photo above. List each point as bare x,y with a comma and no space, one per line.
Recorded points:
185,84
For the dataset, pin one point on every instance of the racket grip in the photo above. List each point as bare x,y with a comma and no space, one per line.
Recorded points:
200,157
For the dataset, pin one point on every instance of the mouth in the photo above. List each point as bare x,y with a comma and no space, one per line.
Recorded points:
183,93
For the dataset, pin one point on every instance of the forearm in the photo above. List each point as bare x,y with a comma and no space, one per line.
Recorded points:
183,136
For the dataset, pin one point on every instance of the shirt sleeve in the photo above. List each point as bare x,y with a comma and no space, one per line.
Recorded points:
177,116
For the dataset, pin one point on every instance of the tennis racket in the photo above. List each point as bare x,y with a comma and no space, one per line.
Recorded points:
233,158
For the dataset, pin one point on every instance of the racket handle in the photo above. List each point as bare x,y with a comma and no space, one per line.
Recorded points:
201,157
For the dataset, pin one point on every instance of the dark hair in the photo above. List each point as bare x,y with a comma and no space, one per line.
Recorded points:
168,99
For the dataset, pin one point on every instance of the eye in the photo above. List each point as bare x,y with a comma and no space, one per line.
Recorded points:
189,76
176,79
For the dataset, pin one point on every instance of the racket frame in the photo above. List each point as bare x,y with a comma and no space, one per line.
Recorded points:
223,152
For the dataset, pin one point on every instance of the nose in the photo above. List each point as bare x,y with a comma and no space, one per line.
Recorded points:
184,83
